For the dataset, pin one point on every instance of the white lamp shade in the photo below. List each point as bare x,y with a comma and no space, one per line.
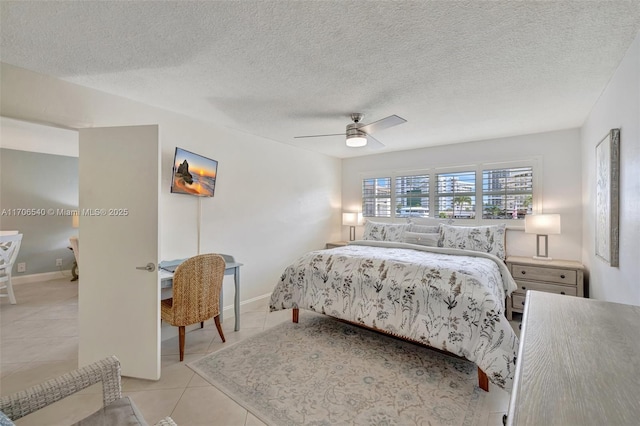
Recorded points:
352,219
542,224
356,142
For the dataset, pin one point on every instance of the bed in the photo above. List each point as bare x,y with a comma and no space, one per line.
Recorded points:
451,298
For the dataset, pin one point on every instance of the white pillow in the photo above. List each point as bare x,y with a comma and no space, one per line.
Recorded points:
487,239
426,229
424,239
432,221
376,231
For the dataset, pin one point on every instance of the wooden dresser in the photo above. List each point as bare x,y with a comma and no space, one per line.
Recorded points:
578,363
553,276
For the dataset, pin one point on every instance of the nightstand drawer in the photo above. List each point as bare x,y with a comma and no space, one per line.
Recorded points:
523,286
536,273
551,276
517,301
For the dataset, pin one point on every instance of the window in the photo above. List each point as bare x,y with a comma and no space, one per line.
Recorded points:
412,196
470,193
456,195
507,193
376,197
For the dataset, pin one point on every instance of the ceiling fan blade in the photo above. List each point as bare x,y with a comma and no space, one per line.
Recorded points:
385,123
374,143
319,136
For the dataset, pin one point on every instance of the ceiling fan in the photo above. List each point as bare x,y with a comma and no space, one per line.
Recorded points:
358,134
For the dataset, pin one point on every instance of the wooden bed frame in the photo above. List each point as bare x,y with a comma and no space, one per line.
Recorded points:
483,380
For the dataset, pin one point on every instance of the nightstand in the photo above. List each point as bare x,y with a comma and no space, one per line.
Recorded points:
336,244
552,276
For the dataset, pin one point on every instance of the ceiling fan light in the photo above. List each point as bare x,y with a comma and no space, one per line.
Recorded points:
356,141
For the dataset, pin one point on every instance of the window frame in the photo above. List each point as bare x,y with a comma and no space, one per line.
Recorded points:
438,195
478,168
508,193
376,197
398,195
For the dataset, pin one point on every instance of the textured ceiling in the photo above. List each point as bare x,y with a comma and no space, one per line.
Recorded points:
457,71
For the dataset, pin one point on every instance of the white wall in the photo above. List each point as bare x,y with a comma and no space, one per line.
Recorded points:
272,202
559,157
25,136
33,180
39,162
618,107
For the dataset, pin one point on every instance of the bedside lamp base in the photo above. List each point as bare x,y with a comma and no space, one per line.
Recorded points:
542,258
542,255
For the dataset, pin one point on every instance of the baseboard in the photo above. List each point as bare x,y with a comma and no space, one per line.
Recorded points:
227,308
44,276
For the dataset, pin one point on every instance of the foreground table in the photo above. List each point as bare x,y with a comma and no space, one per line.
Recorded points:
578,363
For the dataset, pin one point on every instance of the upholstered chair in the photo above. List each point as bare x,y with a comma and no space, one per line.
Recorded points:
197,283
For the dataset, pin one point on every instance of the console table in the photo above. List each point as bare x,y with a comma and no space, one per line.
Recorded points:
231,268
578,363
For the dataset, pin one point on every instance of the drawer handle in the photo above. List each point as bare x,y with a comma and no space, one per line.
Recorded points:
562,276
524,288
562,292
523,303
524,272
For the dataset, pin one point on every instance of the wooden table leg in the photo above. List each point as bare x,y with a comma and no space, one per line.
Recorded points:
236,300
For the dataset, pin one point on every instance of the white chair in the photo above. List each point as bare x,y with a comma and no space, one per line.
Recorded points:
9,247
75,246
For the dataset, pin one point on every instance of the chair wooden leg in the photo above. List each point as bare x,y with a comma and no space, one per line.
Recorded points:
181,338
217,321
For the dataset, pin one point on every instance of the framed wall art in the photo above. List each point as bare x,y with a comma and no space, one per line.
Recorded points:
607,197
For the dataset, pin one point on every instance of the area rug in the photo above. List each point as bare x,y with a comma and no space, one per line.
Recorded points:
325,372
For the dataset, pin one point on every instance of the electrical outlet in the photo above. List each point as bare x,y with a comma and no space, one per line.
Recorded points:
58,262
22,267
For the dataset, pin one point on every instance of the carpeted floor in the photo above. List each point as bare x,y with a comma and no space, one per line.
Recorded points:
324,372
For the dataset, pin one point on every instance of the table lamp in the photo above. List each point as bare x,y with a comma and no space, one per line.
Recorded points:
352,219
542,225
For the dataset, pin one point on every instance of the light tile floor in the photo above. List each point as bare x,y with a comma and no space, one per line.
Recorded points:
39,340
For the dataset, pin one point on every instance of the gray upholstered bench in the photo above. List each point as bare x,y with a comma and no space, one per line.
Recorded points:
117,410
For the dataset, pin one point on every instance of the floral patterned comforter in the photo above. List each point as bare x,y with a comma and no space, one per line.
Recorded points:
449,299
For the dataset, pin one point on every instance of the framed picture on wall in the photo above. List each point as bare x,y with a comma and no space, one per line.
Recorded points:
607,197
